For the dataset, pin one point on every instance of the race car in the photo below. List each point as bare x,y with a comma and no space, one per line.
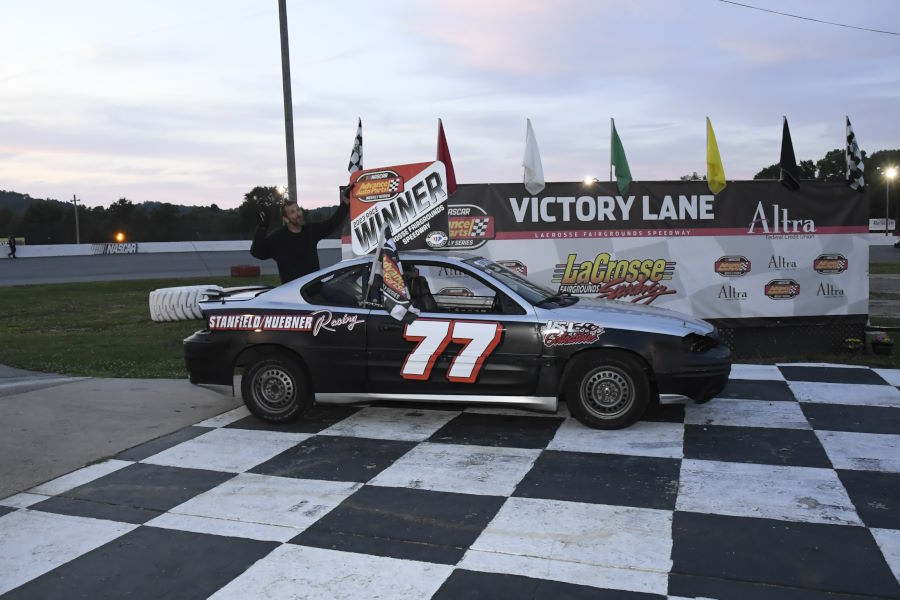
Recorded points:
327,338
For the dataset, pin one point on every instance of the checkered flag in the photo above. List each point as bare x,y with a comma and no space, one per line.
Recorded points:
479,227
356,162
394,185
855,167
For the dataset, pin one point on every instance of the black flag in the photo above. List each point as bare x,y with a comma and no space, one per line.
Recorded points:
789,174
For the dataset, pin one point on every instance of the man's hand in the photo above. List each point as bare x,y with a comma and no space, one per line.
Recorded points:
345,193
262,217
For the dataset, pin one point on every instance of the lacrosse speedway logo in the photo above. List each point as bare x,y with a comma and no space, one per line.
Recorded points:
639,280
409,198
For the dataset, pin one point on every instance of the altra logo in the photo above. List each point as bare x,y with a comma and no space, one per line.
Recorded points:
780,222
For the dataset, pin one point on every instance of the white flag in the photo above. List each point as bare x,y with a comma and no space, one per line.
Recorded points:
534,172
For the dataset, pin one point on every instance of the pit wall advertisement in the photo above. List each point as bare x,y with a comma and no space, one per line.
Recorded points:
754,250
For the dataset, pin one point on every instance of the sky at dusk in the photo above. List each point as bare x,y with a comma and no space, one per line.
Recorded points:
181,101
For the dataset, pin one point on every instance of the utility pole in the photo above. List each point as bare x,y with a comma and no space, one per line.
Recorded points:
288,103
77,234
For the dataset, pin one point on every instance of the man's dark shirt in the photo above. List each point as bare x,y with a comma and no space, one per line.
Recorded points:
296,253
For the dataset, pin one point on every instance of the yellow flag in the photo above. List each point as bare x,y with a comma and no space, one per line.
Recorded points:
715,172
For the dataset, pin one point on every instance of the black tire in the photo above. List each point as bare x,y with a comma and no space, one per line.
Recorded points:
276,388
607,390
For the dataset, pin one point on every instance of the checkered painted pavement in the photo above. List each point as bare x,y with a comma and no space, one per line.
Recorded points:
786,486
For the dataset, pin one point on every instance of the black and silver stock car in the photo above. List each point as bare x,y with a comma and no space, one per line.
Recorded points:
491,336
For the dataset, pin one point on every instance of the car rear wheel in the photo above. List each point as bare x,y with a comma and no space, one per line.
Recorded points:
276,388
607,390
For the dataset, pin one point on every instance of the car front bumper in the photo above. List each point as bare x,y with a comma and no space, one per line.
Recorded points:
697,375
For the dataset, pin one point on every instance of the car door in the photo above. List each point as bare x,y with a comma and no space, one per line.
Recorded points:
334,348
472,339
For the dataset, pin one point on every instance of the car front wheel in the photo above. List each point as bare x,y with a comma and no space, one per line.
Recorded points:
276,389
607,390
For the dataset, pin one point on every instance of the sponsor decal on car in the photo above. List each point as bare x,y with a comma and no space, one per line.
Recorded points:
732,266
830,264
514,265
314,322
782,289
640,280
302,322
570,333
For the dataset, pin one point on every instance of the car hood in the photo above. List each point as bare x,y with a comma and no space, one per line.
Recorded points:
627,315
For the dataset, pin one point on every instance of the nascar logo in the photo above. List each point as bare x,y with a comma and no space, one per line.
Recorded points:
782,289
732,266
830,264
437,239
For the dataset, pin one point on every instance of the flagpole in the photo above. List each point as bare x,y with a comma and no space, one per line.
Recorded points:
612,127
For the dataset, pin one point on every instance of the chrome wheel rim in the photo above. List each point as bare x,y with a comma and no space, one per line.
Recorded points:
607,392
274,390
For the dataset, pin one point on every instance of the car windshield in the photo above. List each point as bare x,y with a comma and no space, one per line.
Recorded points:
533,293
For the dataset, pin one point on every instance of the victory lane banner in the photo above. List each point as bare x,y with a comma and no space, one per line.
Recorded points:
755,250
412,199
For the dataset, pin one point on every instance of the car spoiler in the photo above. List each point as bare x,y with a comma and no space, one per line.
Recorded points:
219,294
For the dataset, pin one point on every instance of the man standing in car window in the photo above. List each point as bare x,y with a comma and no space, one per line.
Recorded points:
294,246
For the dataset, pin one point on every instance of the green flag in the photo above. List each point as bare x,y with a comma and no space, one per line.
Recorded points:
618,161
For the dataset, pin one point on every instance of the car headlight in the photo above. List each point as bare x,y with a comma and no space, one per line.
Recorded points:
694,342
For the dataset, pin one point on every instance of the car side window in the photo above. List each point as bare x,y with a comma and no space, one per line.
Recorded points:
435,288
343,288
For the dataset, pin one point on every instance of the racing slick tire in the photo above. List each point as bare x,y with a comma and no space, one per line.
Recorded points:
178,303
607,389
276,388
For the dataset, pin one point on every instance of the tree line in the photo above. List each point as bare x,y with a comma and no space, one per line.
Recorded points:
49,221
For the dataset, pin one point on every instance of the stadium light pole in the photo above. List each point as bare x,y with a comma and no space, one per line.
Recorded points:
288,103
77,231
889,174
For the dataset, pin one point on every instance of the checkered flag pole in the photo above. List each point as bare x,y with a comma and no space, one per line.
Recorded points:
855,166
356,155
